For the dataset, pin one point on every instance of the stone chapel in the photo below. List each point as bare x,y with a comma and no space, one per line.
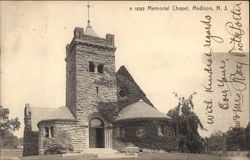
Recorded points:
92,82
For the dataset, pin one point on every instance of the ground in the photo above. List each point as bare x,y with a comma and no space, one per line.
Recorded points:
17,155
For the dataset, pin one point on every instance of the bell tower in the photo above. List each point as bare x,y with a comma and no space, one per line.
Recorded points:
90,72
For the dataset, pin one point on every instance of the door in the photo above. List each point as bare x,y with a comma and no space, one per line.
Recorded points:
96,134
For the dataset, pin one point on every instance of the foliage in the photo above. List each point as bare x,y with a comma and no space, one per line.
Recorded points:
60,144
7,125
217,141
108,110
10,141
151,139
235,139
247,132
186,124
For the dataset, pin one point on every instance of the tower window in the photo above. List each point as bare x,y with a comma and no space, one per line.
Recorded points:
91,67
97,90
100,68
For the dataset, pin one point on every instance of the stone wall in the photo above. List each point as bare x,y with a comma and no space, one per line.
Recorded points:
70,129
30,138
148,139
70,80
30,143
84,88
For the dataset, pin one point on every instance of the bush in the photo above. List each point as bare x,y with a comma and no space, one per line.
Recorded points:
59,145
248,155
151,139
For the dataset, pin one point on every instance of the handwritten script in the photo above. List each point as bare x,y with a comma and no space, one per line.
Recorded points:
227,72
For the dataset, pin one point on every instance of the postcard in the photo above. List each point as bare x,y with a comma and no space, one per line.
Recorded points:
138,79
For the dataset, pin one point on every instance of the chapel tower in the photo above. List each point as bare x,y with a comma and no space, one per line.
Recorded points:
90,73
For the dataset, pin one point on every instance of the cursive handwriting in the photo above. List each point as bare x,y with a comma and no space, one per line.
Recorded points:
222,84
237,79
236,109
209,111
209,36
208,69
235,29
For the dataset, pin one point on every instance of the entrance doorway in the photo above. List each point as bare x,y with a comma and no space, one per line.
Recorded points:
96,133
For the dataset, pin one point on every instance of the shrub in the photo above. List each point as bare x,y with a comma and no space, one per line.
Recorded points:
151,140
59,145
248,155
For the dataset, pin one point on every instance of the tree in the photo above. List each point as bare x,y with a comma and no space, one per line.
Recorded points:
247,132
186,125
236,139
10,141
217,141
7,125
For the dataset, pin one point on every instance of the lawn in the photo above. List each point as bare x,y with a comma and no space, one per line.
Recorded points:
17,154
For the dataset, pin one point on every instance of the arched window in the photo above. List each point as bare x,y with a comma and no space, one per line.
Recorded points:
91,67
100,68
96,123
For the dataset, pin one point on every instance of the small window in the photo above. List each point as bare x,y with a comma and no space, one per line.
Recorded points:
97,90
117,132
122,93
91,67
100,68
46,132
161,130
140,131
122,132
52,131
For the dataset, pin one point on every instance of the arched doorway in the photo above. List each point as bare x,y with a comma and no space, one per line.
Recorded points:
96,133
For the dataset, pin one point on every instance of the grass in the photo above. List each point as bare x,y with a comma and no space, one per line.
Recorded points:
10,154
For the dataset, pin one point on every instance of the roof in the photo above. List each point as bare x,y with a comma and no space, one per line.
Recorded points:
132,84
140,110
89,31
39,114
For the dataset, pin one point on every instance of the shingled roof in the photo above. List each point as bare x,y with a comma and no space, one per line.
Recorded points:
140,110
40,114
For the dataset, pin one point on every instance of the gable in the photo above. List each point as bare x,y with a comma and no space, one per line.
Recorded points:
128,90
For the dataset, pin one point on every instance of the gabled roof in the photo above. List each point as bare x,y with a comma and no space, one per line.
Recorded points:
140,110
124,72
39,114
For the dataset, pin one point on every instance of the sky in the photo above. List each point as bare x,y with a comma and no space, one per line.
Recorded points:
163,51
